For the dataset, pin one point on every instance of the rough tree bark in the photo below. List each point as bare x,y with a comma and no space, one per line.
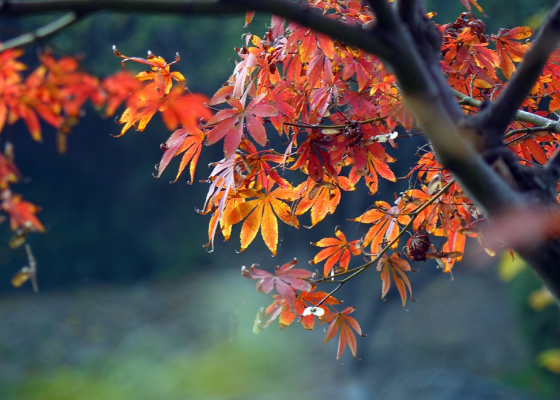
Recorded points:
472,147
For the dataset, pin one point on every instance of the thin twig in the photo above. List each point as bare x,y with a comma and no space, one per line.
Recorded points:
32,268
352,123
43,32
527,132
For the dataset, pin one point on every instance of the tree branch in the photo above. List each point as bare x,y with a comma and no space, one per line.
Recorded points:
298,13
17,8
423,99
499,115
553,166
386,18
520,115
428,40
42,33
351,273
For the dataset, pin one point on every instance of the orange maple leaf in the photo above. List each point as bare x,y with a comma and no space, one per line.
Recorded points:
11,68
118,88
262,213
454,247
385,220
176,108
395,266
8,171
322,197
306,299
21,212
341,321
473,2
141,107
510,51
337,252
160,69
370,161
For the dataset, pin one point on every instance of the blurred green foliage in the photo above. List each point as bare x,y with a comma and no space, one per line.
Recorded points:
224,371
541,330
165,347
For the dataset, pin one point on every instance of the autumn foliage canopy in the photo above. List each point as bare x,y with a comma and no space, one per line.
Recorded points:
337,119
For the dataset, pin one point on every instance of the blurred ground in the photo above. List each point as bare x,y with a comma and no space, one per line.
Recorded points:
178,340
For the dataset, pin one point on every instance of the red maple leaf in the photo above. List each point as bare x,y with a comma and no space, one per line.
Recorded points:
229,122
187,141
286,280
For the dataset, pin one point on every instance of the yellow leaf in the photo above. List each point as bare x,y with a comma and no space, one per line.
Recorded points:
21,277
251,225
539,299
550,359
509,269
269,228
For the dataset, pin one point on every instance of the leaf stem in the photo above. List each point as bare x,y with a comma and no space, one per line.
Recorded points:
364,122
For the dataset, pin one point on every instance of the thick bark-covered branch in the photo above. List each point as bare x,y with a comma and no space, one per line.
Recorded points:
428,40
292,11
386,17
544,261
423,99
499,115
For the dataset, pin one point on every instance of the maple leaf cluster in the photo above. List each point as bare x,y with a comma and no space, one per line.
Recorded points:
54,92
336,110
308,304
